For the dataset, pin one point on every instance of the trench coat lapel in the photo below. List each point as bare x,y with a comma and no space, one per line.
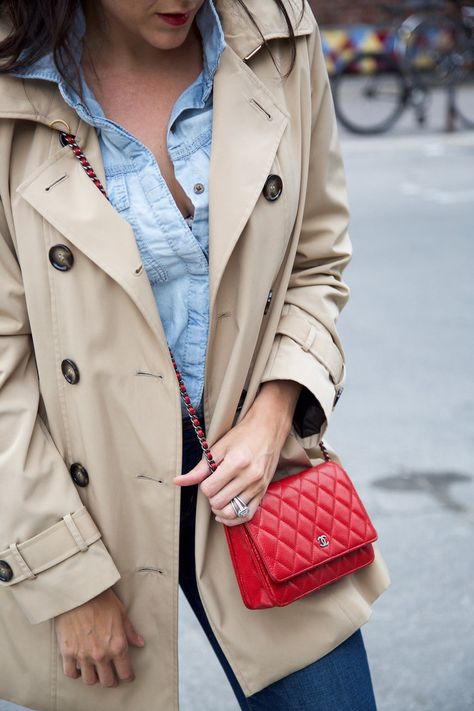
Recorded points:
247,128
67,198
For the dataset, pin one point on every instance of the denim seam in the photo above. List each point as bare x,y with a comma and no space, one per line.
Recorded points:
184,150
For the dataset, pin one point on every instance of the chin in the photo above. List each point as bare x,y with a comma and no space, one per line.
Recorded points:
171,40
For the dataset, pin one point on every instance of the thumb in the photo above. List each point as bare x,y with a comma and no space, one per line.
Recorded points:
132,635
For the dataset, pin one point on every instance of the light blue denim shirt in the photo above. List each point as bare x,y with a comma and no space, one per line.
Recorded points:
174,251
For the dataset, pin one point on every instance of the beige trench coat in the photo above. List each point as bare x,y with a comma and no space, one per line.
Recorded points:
122,420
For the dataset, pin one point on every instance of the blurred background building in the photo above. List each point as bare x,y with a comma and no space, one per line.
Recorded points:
345,12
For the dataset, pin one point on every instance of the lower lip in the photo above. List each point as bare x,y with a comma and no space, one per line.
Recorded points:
176,20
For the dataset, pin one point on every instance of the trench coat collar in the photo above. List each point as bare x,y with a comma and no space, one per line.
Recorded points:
245,114
244,37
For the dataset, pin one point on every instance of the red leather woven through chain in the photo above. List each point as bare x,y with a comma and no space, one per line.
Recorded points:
194,419
70,140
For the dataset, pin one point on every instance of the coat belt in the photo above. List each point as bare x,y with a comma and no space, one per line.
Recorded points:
74,533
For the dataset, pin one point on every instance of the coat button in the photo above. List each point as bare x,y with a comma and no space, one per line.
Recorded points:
273,187
61,257
199,188
79,474
70,371
6,573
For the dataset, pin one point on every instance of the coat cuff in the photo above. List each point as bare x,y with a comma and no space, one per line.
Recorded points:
289,361
58,569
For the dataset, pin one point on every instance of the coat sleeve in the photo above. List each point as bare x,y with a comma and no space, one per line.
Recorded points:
52,558
307,348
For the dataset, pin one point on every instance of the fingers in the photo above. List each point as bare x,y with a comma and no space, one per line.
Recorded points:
237,475
246,465
101,668
94,641
195,476
88,674
123,667
236,468
121,659
131,634
228,516
106,673
227,510
69,667
246,485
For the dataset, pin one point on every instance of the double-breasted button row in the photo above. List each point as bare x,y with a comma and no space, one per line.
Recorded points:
61,257
6,573
273,187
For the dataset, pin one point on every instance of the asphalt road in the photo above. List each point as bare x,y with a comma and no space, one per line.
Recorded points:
405,423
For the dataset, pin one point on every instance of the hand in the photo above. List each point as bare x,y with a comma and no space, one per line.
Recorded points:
247,456
96,636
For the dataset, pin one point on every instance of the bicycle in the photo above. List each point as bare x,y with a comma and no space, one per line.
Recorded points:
441,53
371,90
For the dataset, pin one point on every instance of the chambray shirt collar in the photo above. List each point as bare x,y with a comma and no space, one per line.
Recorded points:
213,41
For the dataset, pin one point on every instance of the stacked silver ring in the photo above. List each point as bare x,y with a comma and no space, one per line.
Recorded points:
240,507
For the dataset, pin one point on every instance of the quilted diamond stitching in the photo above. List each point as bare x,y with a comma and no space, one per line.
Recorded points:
295,510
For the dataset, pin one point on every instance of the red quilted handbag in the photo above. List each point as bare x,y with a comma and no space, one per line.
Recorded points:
310,528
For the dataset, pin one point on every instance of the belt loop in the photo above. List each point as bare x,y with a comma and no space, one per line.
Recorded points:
22,564
308,342
75,532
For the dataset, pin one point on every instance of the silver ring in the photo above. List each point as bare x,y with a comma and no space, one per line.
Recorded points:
240,507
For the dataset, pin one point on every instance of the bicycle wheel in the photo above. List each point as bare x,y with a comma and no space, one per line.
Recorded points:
433,51
463,90
369,93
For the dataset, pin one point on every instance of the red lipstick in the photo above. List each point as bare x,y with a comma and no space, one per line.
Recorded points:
175,18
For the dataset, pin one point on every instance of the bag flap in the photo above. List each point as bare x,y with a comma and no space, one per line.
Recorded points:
307,519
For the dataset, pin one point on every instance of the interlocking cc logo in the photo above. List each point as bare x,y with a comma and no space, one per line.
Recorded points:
323,541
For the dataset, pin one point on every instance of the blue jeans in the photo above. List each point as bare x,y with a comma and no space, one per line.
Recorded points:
339,681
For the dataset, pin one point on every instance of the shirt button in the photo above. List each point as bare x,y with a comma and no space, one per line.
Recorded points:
79,474
6,573
70,371
273,187
198,188
61,257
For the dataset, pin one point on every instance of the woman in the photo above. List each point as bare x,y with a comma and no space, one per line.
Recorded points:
240,252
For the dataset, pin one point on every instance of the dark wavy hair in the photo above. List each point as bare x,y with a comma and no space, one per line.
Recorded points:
39,27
